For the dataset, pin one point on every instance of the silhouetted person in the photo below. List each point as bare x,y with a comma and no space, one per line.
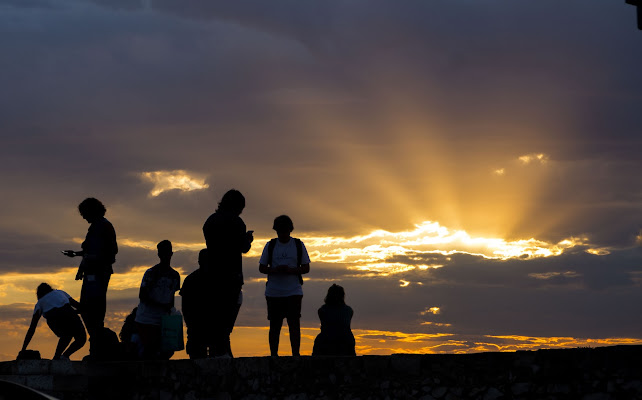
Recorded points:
156,295
227,239
336,337
58,309
284,259
98,254
197,309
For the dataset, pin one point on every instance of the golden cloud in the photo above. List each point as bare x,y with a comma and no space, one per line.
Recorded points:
173,180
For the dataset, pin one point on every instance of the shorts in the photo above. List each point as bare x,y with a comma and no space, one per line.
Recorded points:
284,307
64,322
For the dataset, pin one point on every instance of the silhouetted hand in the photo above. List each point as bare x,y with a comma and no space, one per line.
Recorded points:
79,275
249,235
69,253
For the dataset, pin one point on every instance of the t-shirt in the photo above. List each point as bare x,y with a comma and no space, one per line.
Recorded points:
162,284
53,299
284,254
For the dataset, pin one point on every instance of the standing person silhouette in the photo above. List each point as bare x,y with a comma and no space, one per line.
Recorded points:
336,338
156,295
98,254
284,259
226,239
196,294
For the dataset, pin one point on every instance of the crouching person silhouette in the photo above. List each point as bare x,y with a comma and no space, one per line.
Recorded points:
59,309
336,337
157,289
198,301
284,259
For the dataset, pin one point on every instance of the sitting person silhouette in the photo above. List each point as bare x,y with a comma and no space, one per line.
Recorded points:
157,289
336,338
59,309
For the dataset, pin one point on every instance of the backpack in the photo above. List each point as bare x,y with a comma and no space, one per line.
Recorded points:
299,254
104,346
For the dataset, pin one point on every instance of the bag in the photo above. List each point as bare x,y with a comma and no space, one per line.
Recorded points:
172,332
104,346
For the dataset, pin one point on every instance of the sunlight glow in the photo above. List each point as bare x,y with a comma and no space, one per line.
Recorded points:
380,250
173,180
599,252
500,171
431,310
386,253
533,157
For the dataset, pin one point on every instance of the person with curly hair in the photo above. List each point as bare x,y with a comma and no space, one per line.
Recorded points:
98,254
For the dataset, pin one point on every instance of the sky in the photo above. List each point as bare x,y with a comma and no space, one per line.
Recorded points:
469,171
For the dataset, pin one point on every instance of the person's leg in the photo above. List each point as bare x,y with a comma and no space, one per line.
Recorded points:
294,325
196,344
63,342
93,305
101,300
79,341
273,336
234,312
293,314
150,339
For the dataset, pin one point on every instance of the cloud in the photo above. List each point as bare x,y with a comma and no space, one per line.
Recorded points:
361,125
173,180
540,158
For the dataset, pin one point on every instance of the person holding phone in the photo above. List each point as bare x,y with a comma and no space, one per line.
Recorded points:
98,254
227,239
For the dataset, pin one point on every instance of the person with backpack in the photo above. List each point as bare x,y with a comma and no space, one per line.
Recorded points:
59,309
284,260
157,289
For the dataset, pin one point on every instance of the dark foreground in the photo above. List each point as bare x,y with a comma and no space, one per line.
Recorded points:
587,374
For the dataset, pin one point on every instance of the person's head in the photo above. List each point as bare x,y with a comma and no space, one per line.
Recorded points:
336,295
283,226
232,201
43,289
203,258
165,251
91,209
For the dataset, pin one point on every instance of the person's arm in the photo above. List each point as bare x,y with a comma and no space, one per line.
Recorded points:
285,270
32,329
246,237
264,269
74,303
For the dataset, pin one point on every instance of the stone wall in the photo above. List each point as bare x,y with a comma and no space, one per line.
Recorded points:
587,374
